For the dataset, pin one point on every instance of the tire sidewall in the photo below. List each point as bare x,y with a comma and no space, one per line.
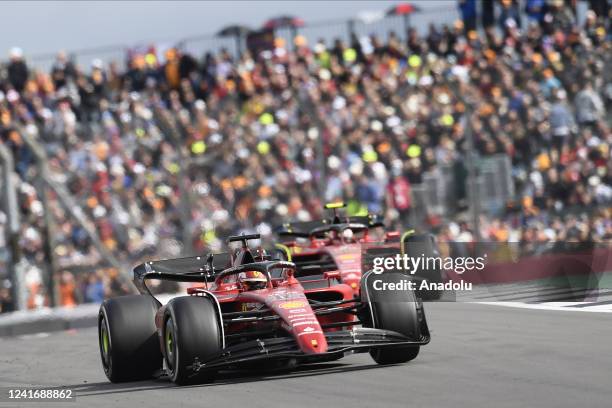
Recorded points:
185,329
175,370
107,362
134,352
424,244
394,310
391,310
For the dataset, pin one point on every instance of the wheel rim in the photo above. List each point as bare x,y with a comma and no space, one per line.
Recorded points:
105,346
170,343
105,341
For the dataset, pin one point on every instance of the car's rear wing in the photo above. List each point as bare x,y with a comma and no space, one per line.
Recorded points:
305,229
203,268
300,229
371,220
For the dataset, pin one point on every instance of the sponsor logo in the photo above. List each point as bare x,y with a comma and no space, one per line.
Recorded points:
294,304
303,323
301,316
285,295
346,257
248,306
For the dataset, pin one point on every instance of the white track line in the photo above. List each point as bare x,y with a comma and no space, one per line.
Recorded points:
559,306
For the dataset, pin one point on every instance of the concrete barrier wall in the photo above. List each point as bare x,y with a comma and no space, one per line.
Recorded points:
596,262
57,319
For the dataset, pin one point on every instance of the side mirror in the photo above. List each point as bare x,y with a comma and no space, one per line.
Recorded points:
331,275
392,236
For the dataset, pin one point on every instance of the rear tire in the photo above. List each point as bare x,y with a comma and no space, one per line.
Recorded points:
392,310
424,245
191,331
129,346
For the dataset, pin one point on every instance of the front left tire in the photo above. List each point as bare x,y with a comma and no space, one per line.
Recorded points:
191,337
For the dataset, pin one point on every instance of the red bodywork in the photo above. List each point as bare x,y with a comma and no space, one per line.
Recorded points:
346,255
285,297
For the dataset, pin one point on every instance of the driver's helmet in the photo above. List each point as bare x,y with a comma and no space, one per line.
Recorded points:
252,280
348,235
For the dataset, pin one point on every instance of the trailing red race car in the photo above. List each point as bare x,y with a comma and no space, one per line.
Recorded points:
348,245
251,311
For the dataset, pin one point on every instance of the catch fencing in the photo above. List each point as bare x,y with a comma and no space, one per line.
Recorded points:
364,24
445,190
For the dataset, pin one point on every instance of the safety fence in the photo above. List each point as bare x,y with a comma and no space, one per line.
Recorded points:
364,24
446,190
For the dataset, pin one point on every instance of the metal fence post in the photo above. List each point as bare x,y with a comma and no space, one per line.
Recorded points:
310,107
472,172
406,24
49,244
351,28
186,200
12,228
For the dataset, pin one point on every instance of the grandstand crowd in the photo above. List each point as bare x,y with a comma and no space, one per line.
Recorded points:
256,140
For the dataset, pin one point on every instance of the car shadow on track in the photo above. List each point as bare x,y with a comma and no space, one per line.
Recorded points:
224,378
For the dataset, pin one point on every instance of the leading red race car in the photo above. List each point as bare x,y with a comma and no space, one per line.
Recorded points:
251,311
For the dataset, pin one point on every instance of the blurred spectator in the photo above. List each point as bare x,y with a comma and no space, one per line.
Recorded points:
589,106
488,14
600,8
115,286
94,289
6,300
399,194
62,71
509,15
558,17
468,13
17,69
67,288
561,120
535,10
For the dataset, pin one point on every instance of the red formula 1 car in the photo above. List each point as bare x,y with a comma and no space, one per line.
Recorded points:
347,245
252,311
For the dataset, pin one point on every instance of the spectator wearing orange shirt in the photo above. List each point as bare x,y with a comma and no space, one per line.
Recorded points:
67,287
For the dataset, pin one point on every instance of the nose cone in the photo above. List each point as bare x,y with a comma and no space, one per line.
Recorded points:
313,341
299,319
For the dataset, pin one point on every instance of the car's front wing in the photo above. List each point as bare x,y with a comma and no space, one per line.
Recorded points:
339,343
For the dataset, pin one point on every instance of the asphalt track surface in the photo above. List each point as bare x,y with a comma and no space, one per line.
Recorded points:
480,356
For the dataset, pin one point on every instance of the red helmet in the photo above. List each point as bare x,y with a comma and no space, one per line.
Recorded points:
252,280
